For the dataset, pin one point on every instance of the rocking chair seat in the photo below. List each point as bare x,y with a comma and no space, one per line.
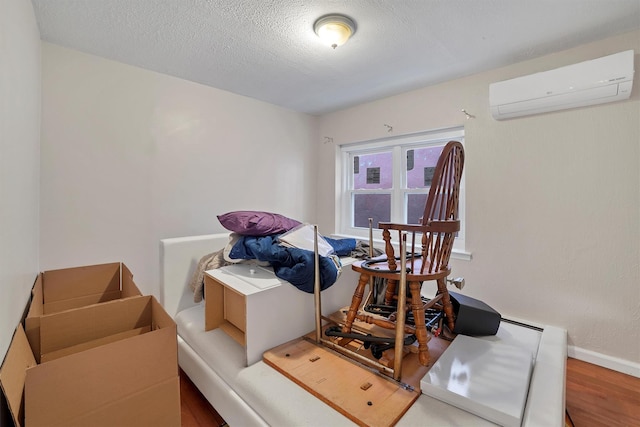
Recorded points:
381,269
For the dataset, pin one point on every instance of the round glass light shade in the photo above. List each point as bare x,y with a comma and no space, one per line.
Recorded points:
334,30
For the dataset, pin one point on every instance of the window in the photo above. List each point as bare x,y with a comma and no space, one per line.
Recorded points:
389,180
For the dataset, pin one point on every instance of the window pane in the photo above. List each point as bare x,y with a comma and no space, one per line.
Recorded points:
376,206
423,163
415,207
389,180
372,171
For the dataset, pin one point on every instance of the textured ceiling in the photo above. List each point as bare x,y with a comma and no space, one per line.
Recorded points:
266,49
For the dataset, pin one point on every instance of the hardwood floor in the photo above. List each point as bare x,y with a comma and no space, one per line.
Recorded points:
195,410
595,397
601,397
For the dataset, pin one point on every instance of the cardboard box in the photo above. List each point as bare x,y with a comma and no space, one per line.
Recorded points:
103,365
58,290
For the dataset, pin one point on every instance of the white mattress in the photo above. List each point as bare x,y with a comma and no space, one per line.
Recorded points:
278,400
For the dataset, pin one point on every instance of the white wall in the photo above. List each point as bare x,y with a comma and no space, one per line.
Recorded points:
19,161
131,156
553,201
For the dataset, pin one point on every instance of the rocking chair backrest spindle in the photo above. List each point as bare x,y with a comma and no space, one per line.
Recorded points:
440,221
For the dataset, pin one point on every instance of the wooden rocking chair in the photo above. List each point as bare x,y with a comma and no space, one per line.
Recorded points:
438,228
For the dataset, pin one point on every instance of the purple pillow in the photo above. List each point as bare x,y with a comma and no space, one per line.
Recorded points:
256,223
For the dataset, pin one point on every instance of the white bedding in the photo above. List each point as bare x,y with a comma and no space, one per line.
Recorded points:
259,395
279,401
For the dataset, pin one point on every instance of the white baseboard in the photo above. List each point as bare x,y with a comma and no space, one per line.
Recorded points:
609,362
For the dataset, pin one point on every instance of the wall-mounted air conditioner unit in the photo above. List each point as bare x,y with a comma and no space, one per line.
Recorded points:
592,82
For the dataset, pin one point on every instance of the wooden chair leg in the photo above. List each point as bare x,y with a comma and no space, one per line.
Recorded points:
446,303
391,260
417,308
390,292
356,300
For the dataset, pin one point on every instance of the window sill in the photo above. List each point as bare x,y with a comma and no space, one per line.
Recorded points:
455,254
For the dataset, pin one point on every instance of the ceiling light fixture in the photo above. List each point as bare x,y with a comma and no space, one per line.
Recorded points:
334,30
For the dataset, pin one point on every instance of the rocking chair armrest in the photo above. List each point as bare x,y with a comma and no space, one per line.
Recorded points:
418,228
434,226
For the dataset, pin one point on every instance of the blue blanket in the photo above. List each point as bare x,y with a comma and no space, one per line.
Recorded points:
292,264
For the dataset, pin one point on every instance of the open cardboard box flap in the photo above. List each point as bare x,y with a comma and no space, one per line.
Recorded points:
80,286
73,327
13,373
69,288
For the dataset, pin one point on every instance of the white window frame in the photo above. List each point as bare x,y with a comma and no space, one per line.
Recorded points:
398,145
